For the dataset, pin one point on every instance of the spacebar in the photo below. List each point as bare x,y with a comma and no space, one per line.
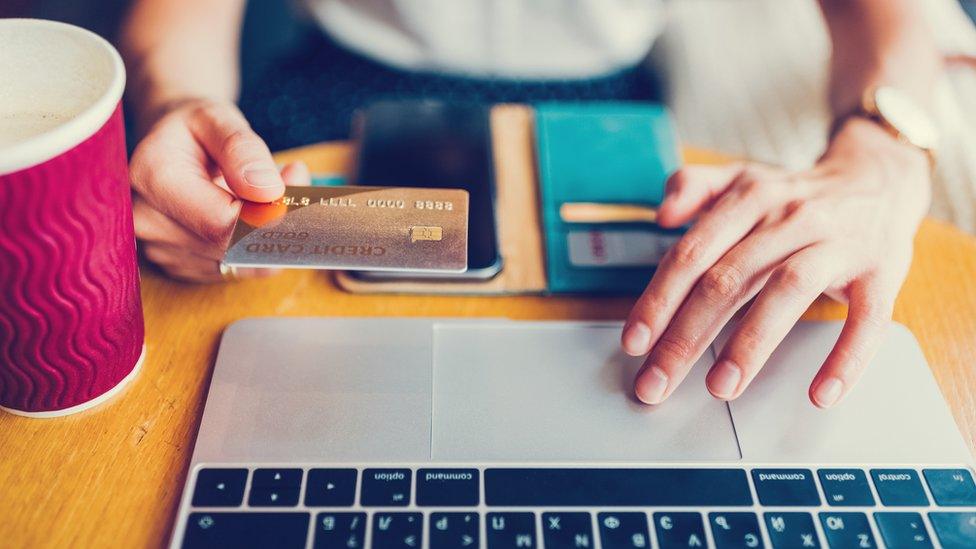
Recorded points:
620,487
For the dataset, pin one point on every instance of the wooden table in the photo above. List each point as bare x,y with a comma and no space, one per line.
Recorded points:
112,476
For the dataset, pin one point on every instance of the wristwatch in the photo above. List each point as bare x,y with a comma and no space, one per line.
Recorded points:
896,112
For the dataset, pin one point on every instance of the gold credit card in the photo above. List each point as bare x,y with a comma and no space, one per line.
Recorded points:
362,228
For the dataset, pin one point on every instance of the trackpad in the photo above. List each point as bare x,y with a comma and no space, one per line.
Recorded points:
562,392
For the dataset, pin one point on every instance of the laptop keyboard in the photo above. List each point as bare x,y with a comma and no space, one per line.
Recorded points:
577,507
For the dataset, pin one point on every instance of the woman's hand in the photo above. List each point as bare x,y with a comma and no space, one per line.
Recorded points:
844,228
190,173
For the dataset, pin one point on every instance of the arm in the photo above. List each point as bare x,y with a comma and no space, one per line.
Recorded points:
197,156
879,42
772,241
181,49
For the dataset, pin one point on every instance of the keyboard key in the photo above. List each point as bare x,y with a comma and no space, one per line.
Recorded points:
567,530
679,530
902,530
397,530
386,487
735,530
847,530
448,487
792,530
339,531
786,487
273,497
246,530
330,487
951,487
510,530
899,487
454,530
219,487
277,478
846,487
623,530
616,487
955,530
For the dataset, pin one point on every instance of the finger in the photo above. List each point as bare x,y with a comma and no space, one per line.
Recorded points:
168,170
152,226
868,316
186,266
787,294
296,174
181,264
734,215
243,158
691,189
721,291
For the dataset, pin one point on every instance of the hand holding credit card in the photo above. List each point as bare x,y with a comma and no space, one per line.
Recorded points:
347,227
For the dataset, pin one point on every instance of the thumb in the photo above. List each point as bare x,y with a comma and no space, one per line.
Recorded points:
243,158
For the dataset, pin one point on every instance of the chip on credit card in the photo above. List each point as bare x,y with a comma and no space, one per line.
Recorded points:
362,228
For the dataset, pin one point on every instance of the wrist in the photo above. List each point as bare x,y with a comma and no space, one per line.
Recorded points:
150,97
863,155
859,135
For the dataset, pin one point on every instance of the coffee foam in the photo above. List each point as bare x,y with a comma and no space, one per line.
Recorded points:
50,77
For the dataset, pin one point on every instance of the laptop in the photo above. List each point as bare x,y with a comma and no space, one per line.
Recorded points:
407,433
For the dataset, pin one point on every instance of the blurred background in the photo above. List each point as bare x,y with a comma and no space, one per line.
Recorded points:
745,77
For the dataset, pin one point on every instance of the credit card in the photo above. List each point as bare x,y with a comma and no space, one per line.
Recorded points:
361,228
618,248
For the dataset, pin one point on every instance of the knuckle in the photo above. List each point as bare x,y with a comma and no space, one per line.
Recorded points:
244,148
205,108
155,254
876,316
749,185
851,362
141,165
751,179
796,278
240,142
678,181
747,342
217,228
811,218
722,283
687,252
649,307
675,347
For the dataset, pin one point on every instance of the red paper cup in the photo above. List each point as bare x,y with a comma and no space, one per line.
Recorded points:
71,327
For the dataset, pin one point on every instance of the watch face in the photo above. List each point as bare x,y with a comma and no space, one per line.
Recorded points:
902,113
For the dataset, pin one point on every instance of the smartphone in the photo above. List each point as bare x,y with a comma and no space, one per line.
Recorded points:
436,145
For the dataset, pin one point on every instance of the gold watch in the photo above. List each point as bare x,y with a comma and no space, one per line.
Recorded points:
896,112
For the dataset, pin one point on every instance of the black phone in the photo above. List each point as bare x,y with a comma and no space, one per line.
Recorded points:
436,145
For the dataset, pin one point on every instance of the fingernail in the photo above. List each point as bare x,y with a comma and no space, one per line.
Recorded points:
652,385
263,178
724,379
827,393
637,338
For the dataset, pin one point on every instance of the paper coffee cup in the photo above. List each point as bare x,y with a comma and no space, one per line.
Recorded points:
71,325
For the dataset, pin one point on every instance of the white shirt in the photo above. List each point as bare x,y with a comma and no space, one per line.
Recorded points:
539,39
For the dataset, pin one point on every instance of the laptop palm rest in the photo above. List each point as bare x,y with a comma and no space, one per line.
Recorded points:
321,390
562,392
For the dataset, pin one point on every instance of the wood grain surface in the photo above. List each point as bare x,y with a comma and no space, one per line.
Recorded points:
112,476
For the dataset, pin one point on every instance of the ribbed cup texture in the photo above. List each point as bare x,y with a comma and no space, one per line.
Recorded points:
71,324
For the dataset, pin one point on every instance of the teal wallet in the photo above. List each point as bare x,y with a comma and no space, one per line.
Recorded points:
616,153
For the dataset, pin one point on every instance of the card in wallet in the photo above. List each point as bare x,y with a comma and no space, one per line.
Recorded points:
616,153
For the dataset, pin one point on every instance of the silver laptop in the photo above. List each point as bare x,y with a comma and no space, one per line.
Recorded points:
409,433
